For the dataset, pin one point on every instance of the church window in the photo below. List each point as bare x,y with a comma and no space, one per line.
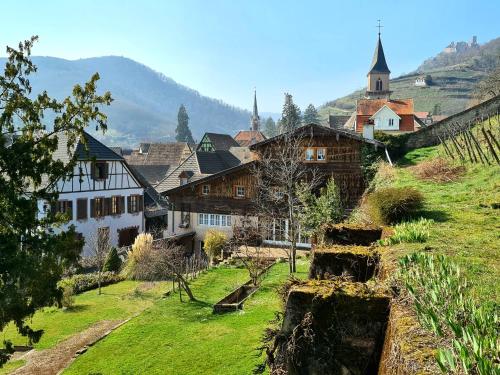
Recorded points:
378,85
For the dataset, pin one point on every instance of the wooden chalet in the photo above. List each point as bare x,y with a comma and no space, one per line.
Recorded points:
219,200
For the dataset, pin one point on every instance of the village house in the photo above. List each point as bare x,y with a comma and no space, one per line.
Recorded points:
222,199
102,197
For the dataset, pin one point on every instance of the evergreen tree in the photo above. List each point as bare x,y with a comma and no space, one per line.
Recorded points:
182,131
270,129
290,117
311,115
113,261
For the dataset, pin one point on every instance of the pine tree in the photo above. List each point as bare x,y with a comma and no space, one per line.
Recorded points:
311,115
182,131
290,117
270,129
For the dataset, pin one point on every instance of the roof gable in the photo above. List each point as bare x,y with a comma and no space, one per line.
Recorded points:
368,107
215,141
387,110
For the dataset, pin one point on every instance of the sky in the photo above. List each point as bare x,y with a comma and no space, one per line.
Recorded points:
315,50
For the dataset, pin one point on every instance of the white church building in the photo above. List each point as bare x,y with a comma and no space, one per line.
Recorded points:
102,197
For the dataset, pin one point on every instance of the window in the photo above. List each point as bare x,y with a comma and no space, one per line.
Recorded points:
126,236
214,220
135,203
205,189
391,122
310,154
97,207
117,203
81,209
184,180
65,207
378,85
240,191
321,154
100,170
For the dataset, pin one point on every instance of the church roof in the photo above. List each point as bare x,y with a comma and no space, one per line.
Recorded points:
379,65
368,107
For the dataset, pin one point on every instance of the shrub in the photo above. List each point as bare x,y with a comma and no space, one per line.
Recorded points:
83,282
396,144
68,297
214,243
438,170
113,261
392,205
140,248
385,175
443,304
410,232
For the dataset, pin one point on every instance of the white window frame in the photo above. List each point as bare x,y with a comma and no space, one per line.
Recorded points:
321,154
240,193
391,122
205,189
309,154
214,220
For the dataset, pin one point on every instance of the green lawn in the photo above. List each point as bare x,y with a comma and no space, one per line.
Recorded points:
186,338
467,227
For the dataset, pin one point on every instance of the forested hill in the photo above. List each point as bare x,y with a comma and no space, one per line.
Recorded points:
146,102
454,76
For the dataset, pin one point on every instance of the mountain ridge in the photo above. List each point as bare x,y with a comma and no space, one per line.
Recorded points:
145,101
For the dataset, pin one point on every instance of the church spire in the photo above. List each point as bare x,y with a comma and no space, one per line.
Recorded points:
378,75
255,122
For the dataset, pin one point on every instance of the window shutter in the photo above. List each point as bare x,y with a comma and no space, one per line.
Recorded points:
92,171
141,202
107,206
129,199
70,209
92,208
122,204
106,170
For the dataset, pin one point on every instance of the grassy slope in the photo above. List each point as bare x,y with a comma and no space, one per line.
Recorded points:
451,89
186,338
118,301
467,228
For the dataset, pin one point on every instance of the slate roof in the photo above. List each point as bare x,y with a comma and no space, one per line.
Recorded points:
368,107
87,149
338,121
379,65
221,141
153,174
198,165
249,137
158,154
154,203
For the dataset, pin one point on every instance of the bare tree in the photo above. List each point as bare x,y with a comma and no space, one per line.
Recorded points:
100,248
280,168
246,245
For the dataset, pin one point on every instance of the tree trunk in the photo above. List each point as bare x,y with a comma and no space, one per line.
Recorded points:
99,275
186,287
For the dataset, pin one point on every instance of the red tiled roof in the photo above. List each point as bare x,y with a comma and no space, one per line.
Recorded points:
368,107
249,137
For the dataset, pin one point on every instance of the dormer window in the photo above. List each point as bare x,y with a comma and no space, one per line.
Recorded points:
100,170
183,181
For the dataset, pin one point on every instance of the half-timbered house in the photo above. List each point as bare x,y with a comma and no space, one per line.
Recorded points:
102,196
221,200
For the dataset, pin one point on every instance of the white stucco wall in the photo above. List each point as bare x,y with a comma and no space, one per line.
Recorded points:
382,117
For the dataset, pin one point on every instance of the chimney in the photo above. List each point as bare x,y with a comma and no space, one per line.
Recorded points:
368,130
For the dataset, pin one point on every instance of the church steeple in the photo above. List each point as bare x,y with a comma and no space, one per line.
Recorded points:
255,122
378,75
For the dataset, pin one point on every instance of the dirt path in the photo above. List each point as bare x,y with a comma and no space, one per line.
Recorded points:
54,360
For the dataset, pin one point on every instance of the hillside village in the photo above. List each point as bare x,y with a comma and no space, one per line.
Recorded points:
174,257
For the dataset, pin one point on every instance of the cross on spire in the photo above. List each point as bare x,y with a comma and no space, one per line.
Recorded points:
379,27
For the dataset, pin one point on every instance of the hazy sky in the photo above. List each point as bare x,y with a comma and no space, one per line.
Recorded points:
316,50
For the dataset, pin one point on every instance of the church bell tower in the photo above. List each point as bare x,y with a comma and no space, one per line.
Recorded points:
255,121
378,76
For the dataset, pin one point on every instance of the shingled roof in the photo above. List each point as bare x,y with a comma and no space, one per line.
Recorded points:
338,121
153,174
379,65
158,154
86,149
220,141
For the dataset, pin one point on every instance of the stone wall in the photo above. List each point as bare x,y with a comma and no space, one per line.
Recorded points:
430,135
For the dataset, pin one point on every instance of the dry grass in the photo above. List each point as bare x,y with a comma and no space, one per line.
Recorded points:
438,170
